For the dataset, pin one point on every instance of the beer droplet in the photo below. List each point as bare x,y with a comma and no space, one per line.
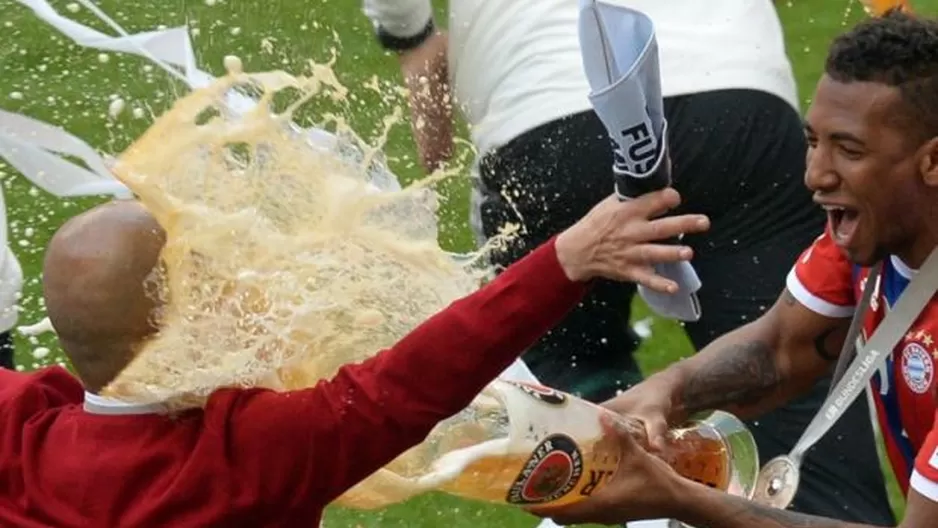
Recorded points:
233,65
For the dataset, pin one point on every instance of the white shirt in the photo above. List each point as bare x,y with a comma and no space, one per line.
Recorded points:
720,45
516,64
11,276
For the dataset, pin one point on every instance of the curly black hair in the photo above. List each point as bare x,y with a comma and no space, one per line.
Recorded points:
897,49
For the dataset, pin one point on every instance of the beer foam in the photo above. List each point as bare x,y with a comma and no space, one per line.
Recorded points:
451,464
283,262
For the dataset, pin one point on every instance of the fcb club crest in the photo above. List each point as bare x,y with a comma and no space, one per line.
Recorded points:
553,470
918,368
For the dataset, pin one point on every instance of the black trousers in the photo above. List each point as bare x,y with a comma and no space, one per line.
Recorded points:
6,350
739,157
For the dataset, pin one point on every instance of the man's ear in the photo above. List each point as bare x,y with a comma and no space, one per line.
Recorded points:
928,163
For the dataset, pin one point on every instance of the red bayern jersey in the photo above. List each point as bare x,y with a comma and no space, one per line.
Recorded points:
826,282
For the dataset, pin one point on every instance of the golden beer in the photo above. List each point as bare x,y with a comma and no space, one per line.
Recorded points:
531,446
557,479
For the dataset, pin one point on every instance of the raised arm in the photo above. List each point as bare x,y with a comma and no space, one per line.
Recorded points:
330,437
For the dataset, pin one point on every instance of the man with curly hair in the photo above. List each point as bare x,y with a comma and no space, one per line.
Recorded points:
872,132
514,70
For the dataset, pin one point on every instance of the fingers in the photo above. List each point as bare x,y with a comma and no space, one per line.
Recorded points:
650,254
636,264
655,424
671,227
597,508
647,277
612,240
656,203
657,430
616,426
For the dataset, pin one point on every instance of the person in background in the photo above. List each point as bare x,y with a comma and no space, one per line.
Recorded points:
11,285
514,70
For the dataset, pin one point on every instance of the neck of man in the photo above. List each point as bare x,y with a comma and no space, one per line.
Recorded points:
97,364
925,242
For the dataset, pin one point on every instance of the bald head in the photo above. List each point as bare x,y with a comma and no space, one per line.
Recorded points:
97,290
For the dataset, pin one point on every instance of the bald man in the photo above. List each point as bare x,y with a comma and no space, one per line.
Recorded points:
93,282
71,458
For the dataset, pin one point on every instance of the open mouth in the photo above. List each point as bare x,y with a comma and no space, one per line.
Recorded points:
843,222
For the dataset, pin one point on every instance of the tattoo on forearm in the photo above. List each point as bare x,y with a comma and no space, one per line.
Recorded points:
741,373
820,342
820,345
752,514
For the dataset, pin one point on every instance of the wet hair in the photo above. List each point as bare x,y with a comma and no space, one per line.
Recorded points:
897,49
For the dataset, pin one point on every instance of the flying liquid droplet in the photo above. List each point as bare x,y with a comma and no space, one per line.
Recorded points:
115,108
643,327
36,329
233,65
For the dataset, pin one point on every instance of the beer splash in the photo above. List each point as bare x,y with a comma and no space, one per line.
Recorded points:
289,253
282,261
285,259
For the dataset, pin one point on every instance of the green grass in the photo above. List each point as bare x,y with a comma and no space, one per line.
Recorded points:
70,86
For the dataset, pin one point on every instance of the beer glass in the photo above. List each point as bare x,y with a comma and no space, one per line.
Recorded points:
532,446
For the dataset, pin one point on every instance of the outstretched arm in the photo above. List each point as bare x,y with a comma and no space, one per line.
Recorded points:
714,509
321,441
763,364
747,372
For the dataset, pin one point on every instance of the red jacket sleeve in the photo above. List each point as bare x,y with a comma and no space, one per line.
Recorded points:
310,446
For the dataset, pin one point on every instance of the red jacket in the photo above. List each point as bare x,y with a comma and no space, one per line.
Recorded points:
257,457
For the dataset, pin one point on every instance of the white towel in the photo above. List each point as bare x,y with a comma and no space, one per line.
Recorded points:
620,57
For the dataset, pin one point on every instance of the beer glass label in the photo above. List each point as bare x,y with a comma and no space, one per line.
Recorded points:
554,470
